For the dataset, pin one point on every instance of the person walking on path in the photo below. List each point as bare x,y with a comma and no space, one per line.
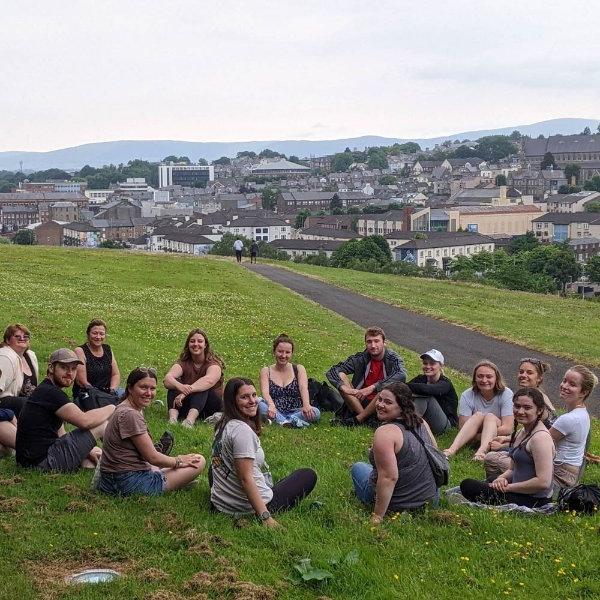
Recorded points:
253,251
238,246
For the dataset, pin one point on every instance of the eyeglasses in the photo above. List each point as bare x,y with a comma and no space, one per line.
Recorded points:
148,370
533,361
22,338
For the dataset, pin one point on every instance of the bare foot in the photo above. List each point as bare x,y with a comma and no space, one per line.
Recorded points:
479,456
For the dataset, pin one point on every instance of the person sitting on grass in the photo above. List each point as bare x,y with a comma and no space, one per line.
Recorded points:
195,381
8,431
41,441
531,374
435,397
130,463
398,476
284,388
528,482
570,431
484,411
241,483
18,368
372,369
98,367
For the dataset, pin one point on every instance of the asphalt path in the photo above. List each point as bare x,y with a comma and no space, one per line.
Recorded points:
461,347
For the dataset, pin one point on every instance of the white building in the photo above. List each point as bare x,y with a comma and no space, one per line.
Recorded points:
185,175
259,229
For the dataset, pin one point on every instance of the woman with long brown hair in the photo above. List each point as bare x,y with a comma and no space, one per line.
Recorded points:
195,381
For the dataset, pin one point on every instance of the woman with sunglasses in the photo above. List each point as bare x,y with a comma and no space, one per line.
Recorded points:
130,463
18,368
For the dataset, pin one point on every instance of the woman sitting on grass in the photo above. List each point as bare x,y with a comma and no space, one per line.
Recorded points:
99,368
284,388
130,463
399,476
241,482
570,431
484,411
528,482
531,375
18,369
435,397
195,381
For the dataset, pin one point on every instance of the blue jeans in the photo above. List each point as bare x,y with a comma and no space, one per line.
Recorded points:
361,479
292,417
145,483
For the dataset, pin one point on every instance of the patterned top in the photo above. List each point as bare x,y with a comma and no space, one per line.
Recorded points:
286,398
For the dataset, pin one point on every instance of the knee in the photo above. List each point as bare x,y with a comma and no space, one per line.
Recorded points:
490,418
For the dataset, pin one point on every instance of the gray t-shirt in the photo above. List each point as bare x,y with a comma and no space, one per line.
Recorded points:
471,402
575,426
227,493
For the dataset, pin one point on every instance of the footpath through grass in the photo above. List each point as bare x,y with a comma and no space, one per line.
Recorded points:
561,326
174,547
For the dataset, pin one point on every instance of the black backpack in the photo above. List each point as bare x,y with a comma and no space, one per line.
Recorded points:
322,396
581,498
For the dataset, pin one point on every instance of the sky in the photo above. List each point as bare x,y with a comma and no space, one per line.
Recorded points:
89,71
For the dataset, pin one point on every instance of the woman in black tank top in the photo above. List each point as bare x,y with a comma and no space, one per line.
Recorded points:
99,368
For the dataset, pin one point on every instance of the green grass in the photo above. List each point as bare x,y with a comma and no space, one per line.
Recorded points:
53,524
561,326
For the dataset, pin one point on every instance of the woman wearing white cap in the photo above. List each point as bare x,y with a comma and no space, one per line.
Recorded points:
435,397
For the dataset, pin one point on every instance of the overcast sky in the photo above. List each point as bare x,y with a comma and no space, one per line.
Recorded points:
100,70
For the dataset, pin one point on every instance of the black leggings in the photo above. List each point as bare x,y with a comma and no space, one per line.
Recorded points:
206,403
480,491
288,491
14,403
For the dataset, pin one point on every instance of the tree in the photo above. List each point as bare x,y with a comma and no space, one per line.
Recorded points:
301,217
494,147
49,174
383,245
246,154
224,247
266,153
598,128
557,261
592,268
569,189
354,252
387,180
464,152
523,243
336,203
269,198
341,162
592,184
377,160
5,186
293,158
515,135
548,161
177,159
572,171
586,131
202,161
501,180
24,237
592,206
224,160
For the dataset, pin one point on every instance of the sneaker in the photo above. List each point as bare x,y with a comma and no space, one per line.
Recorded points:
344,422
214,418
95,478
299,423
165,444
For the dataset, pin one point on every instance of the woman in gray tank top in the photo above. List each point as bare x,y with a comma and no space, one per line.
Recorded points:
398,476
528,481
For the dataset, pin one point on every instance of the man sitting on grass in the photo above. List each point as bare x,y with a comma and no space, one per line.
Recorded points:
372,369
42,442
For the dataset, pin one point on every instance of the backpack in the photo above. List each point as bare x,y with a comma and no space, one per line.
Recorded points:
322,396
438,461
581,498
91,398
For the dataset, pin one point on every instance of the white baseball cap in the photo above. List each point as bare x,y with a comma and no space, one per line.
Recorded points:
434,355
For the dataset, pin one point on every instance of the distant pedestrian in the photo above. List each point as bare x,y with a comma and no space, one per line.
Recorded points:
238,246
253,251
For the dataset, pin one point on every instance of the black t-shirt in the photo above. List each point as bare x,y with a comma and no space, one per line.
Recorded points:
38,423
443,391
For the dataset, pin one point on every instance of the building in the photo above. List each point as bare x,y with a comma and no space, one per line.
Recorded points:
538,183
559,227
330,221
61,187
98,196
187,242
13,218
185,175
280,166
494,196
438,249
41,201
583,150
307,247
570,202
291,202
84,235
64,211
407,219
585,247
49,234
323,233
488,220
259,229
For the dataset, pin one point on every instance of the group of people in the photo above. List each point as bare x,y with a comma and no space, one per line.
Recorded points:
525,448
238,248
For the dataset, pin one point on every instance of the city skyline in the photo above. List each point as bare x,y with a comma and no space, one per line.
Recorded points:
77,74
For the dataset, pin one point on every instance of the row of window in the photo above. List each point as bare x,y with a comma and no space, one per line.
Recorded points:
454,251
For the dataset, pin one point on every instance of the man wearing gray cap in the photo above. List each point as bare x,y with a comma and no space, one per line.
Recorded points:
42,442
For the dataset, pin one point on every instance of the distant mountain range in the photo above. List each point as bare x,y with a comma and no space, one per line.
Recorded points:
102,153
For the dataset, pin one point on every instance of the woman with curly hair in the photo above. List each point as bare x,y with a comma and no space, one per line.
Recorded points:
398,476
195,381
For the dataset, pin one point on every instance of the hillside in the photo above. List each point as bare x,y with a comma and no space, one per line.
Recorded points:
115,152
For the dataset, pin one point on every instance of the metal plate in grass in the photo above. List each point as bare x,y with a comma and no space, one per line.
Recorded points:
94,576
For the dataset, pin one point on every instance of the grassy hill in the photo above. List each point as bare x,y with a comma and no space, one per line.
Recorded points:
561,326
175,547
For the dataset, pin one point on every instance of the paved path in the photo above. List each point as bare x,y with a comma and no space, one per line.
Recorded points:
461,347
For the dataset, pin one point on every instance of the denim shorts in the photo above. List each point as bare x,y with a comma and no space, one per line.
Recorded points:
144,483
68,452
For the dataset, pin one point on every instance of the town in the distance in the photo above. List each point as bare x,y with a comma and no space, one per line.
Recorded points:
462,209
